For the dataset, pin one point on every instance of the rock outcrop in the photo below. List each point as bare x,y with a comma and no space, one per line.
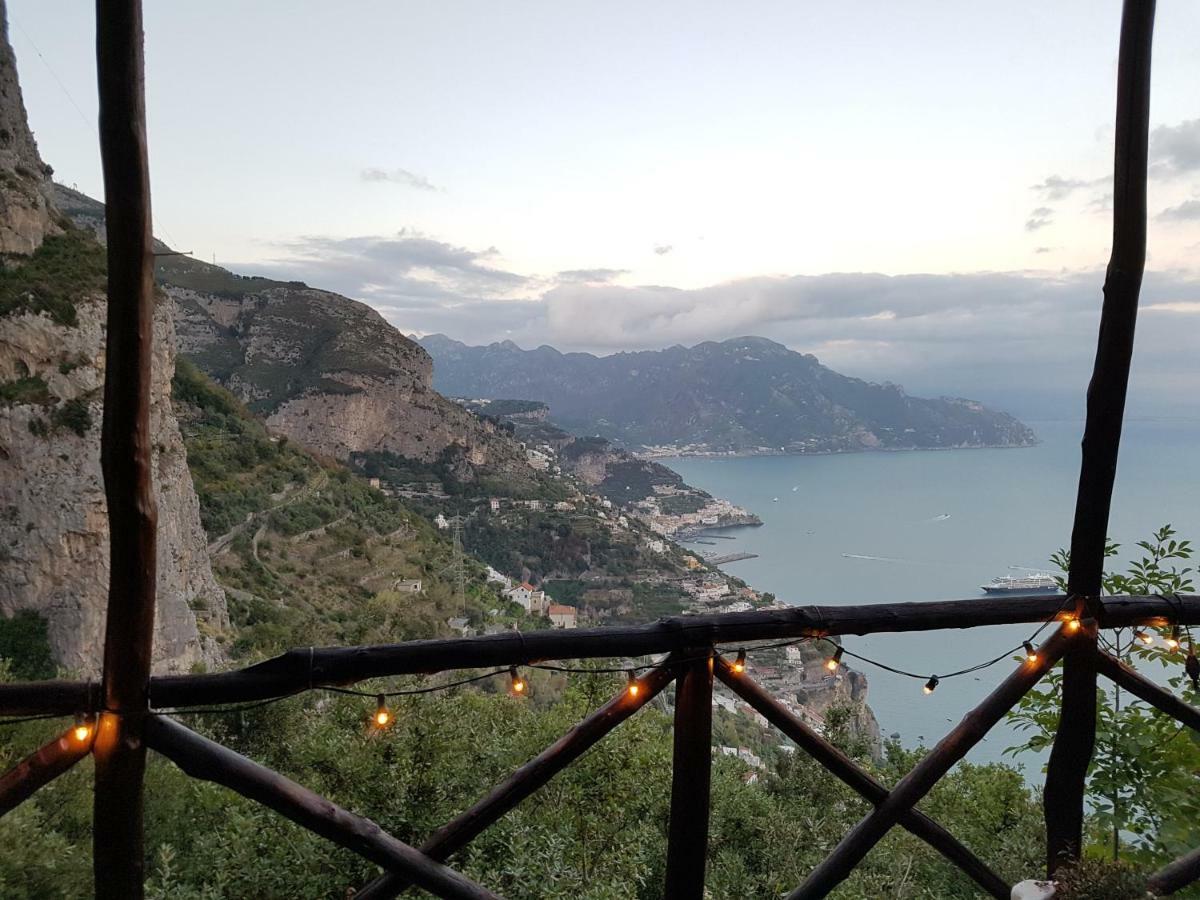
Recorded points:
26,213
322,369
53,525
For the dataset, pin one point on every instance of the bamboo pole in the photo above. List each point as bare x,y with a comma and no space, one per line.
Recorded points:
126,451
1175,875
1145,689
1066,773
916,784
300,669
845,770
207,760
532,776
687,833
41,767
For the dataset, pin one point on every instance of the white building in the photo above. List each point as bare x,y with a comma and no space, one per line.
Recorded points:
562,616
407,585
440,521
529,598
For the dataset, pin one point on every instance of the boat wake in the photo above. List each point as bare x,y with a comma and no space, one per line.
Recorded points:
891,559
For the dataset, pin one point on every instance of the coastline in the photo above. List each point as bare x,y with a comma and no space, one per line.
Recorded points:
660,453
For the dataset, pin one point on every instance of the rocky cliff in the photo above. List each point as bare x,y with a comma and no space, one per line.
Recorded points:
26,213
322,369
53,524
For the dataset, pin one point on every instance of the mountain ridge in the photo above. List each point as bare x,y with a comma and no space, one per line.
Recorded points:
744,394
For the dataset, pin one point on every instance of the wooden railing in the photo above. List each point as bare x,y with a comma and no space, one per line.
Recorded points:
693,658
131,706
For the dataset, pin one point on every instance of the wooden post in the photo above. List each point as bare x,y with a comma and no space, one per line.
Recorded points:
1145,689
687,837
208,760
844,769
1066,773
41,767
126,452
532,776
834,869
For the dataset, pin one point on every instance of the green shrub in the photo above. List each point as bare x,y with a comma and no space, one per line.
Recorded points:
25,643
73,415
30,389
51,281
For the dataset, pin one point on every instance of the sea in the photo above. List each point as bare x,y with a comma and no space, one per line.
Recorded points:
923,525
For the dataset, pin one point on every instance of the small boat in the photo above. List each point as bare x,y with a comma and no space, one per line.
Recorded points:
774,499
1038,583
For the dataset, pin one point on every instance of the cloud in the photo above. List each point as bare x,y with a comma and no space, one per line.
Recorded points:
1055,187
1044,249
1187,211
590,275
401,177
1175,149
1008,338
663,249
1039,218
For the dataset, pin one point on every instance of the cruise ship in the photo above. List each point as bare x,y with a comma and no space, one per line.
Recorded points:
1038,583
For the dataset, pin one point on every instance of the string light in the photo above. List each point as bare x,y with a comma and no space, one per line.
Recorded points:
739,664
516,683
633,687
83,727
382,714
1173,641
834,661
931,684
1072,623
1145,638
1030,653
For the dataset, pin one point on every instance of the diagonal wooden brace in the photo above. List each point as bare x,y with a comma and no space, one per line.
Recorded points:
41,767
207,760
1145,689
850,774
531,777
917,783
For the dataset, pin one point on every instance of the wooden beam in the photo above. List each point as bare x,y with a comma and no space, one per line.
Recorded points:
1145,689
687,833
41,767
917,783
532,776
297,670
37,698
207,760
126,451
1176,875
846,771
1066,772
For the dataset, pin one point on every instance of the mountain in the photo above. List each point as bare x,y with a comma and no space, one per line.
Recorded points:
53,524
321,369
746,394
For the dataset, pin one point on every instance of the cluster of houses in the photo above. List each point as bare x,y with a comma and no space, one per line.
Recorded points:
536,602
712,514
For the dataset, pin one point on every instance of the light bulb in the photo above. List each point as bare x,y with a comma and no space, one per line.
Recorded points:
739,664
834,661
1173,641
516,682
931,684
83,728
1073,624
382,715
1145,638
1030,653
634,687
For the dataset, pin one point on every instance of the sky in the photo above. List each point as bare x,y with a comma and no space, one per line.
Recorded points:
915,192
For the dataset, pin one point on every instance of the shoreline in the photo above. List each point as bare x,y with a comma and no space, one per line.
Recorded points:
749,454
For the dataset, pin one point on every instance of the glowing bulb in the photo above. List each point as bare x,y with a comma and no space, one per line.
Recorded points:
1173,641
834,661
739,664
83,728
931,684
634,687
1146,639
1030,653
1073,624
516,682
382,715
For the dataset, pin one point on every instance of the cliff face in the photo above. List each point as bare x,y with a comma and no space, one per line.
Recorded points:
53,524
322,369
